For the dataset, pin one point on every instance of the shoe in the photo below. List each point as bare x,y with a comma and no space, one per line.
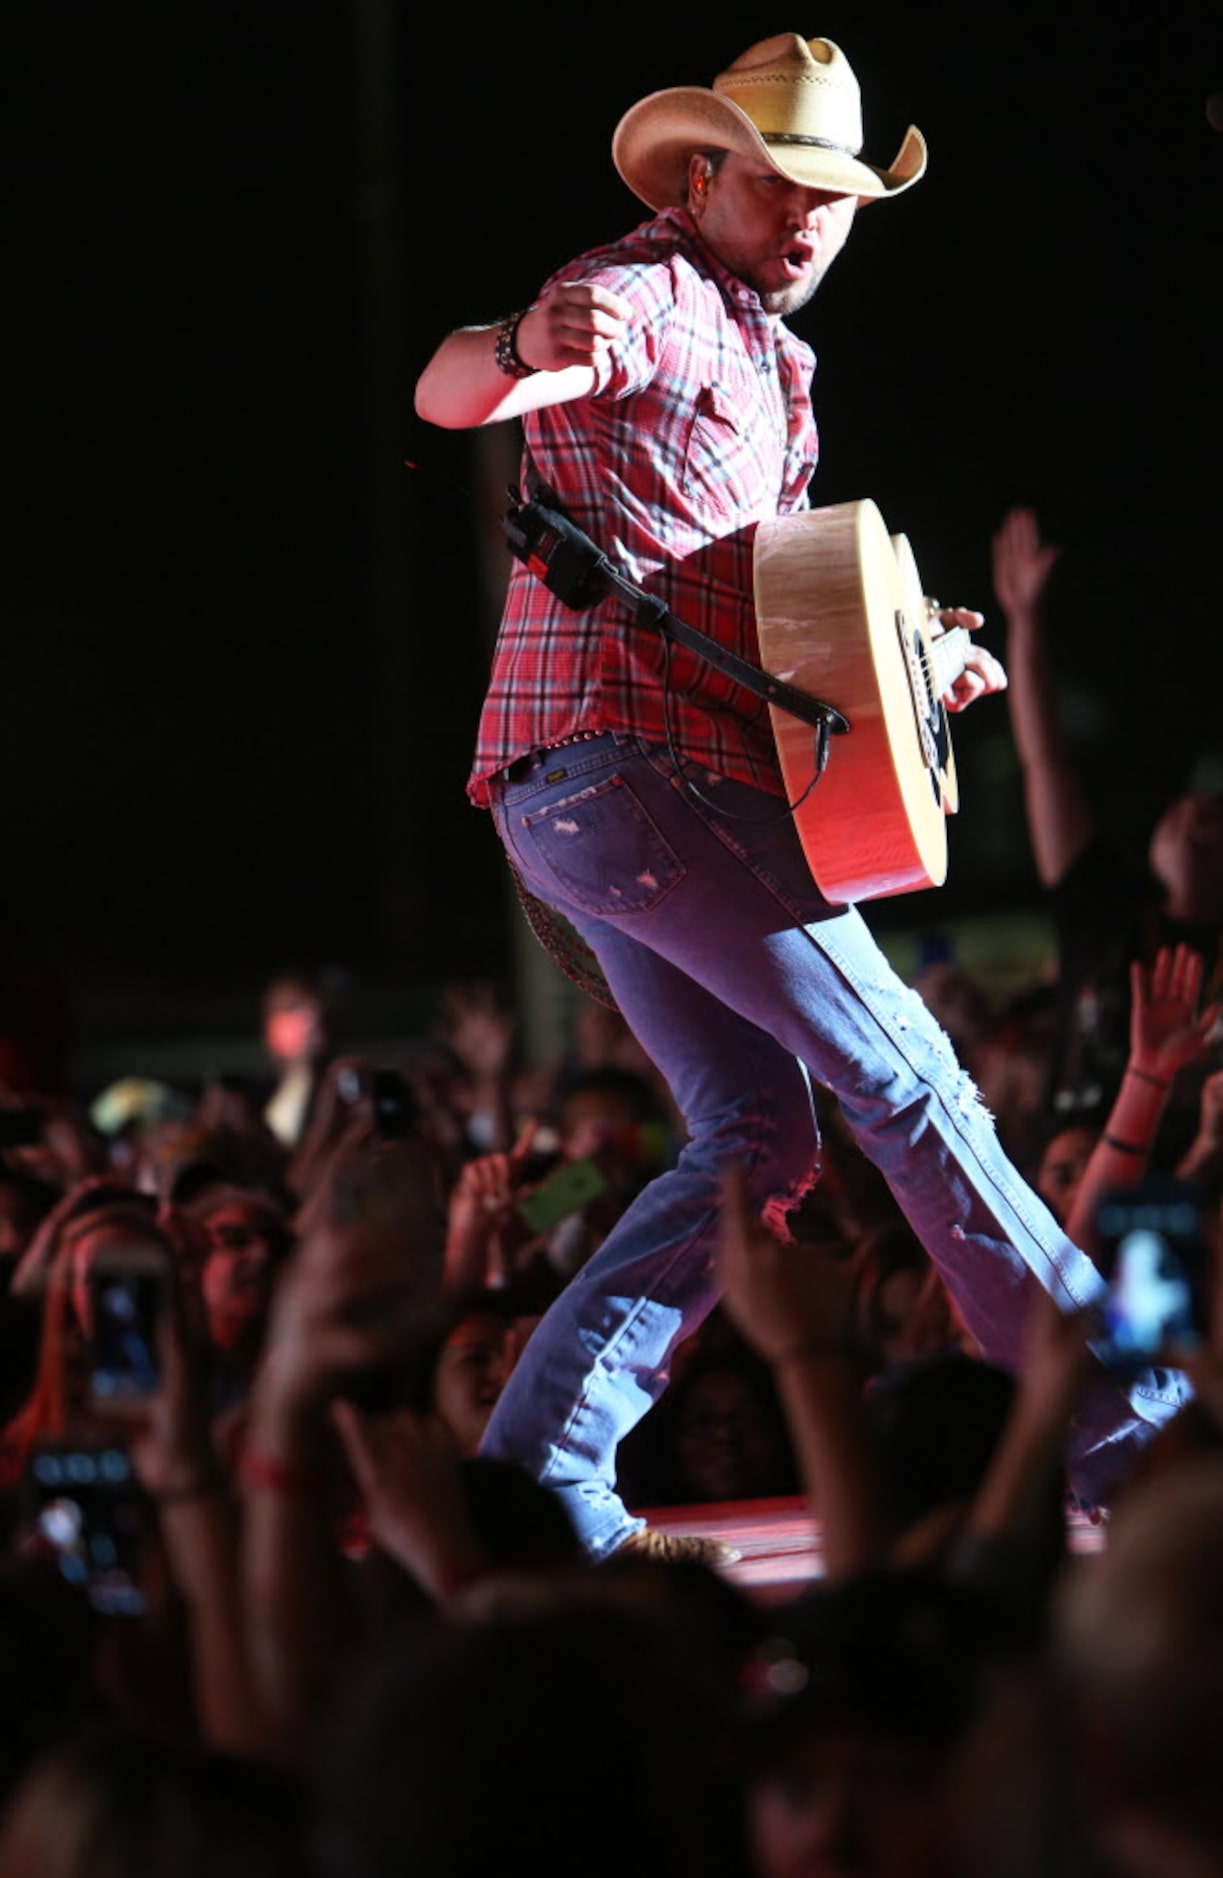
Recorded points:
669,1548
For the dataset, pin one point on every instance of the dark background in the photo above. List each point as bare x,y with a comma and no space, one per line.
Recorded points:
243,646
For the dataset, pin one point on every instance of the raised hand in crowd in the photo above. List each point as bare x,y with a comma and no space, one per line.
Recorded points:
366,1132
349,1317
1203,1159
408,1471
1014,1537
795,1305
1168,1031
50,1138
93,1194
336,1109
1060,822
1022,563
173,1453
477,1029
122,1372
483,1230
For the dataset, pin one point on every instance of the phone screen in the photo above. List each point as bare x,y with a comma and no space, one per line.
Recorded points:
394,1105
126,1304
1155,1260
90,1515
564,1192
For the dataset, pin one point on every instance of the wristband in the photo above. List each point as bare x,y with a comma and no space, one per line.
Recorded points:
505,347
272,1475
1143,1075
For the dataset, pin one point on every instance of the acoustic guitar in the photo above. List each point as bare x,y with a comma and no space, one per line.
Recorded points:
841,615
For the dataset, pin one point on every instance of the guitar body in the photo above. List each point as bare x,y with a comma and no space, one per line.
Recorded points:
840,614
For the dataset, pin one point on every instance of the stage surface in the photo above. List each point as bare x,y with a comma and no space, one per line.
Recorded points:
778,1541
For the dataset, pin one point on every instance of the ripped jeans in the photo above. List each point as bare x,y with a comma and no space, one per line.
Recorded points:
741,981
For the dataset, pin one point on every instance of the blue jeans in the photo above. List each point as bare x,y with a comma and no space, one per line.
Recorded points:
741,981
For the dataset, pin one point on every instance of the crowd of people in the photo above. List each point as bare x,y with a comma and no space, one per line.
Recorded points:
269,1609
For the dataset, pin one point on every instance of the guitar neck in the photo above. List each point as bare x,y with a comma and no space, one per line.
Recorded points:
948,657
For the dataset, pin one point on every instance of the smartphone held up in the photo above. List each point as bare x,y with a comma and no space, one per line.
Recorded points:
566,1190
1156,1265
128,1291
90,1516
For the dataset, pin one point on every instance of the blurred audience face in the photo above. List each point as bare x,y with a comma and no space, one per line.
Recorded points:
472,1370
620,1127
596,1119
294,1022
1061,1169
237,1272
728,1443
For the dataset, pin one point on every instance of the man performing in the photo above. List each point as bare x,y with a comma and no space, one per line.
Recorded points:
637,790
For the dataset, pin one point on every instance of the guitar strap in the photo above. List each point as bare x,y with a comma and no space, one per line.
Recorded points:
542,535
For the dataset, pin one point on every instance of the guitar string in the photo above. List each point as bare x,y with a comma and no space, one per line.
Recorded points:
929,662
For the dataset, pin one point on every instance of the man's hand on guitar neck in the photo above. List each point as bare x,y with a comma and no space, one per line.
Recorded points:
982,672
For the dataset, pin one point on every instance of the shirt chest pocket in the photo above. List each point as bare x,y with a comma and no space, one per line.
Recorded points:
723,469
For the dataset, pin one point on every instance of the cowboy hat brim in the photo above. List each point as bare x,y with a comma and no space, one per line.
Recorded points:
657,137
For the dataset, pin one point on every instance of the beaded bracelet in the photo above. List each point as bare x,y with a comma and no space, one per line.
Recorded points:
505,348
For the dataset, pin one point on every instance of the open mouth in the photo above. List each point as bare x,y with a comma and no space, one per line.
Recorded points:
796,261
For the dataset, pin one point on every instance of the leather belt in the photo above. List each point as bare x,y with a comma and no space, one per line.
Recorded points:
519,768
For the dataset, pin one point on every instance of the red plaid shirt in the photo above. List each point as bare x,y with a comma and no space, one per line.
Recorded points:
699,426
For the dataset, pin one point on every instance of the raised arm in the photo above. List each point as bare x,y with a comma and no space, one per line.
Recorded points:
1060,823
347,1317
561,340
1167,1032
198,1521
793,1303
1203,1158
1004,1545
480,1212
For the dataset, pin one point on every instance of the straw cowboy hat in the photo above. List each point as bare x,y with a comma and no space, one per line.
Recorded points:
792,103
